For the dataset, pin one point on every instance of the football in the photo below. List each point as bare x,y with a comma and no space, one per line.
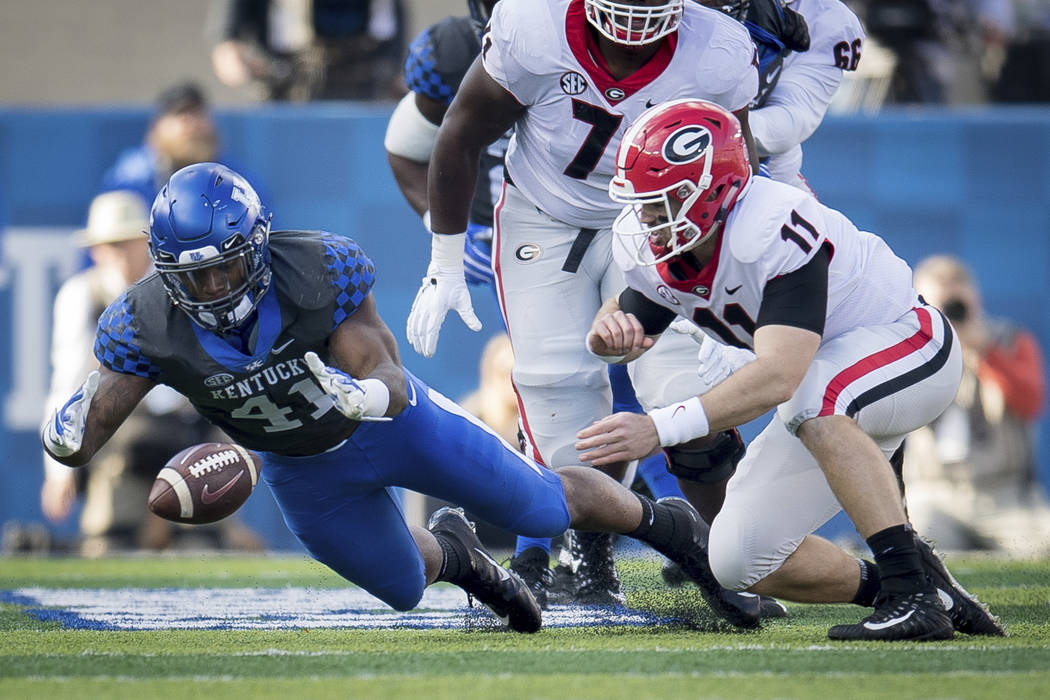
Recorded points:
204,483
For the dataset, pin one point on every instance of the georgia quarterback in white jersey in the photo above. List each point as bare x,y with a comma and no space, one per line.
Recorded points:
845,351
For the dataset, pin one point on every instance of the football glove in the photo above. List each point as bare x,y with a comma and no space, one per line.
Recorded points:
715,360
444,288
364,400
63,433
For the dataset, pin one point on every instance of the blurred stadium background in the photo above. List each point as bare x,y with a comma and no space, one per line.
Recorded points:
77,87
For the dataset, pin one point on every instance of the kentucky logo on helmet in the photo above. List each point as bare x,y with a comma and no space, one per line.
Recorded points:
687,144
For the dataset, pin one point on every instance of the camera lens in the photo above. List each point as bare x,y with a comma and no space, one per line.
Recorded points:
955,310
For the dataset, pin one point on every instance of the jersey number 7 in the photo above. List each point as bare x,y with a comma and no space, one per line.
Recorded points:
603,127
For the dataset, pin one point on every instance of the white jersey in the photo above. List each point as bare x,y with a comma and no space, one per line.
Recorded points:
796,105
775,229
563,151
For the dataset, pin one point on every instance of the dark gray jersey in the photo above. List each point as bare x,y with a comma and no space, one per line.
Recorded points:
267,400
437,61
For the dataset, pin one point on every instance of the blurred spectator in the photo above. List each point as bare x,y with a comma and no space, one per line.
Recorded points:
971,475
494,401
301,50
181,132
116,485
1025,74
946,50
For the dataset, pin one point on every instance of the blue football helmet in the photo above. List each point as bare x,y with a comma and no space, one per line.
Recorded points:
209,239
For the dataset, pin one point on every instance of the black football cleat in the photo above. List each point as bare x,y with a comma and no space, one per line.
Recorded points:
533,566
562,590
968,615
740,609
917,617
769,608
501,591
597,581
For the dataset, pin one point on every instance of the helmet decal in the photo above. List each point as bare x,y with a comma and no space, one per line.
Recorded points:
680,168
687,144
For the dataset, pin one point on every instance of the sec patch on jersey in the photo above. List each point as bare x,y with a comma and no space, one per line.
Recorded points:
204,483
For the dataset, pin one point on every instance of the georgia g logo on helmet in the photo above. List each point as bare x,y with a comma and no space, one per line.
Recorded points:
686,144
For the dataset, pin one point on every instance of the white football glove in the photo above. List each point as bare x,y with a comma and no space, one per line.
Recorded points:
444,288
364,400
715,360
63,433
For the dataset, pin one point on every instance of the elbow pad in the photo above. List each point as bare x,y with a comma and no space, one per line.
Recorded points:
409,134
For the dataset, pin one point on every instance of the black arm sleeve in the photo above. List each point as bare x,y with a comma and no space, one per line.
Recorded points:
799,298
654,318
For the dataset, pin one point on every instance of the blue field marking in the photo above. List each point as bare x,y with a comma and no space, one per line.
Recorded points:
279,608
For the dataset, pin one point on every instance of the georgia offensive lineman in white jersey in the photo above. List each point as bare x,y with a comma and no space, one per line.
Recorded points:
569,76
846,352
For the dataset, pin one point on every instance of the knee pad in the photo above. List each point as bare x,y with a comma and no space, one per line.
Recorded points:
728,560
707,465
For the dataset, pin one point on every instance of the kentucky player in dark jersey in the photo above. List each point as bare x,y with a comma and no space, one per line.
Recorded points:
275,338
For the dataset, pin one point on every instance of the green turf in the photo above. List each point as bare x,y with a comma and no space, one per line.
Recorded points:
789,658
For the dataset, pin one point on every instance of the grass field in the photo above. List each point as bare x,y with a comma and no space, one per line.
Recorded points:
134,652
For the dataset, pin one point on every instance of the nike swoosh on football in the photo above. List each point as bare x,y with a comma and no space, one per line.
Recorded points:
888,623
279,350
208,497
734,290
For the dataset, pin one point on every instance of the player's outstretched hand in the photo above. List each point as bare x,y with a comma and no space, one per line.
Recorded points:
63,433
351,397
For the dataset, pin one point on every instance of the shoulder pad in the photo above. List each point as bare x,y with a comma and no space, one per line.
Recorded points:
767,204
439,58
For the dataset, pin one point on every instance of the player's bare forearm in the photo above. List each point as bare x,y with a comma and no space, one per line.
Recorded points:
118,394
411,178
363,347
481,112
783,354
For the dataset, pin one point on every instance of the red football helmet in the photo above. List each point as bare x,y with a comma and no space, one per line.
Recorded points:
688,159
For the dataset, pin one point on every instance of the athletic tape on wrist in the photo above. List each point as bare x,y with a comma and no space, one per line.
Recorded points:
377,396
680,422
446,251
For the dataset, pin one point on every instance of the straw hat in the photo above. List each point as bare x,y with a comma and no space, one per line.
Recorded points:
113,217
